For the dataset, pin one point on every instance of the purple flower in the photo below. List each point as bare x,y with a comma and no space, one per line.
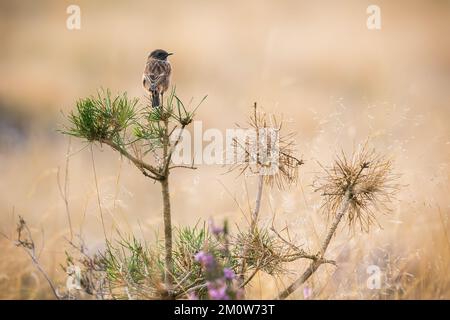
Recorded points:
215,229
228,274
217,291
192,296
205,259
307,292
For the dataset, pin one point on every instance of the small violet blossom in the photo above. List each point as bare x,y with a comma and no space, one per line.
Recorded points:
228,274
307,293
192,296
218,291
205,259
215,230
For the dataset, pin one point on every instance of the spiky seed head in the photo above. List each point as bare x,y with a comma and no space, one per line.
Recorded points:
269,153
366,179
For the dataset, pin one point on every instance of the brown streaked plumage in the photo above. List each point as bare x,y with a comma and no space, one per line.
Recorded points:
156,78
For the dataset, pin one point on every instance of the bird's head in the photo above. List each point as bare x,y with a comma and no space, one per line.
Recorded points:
160,54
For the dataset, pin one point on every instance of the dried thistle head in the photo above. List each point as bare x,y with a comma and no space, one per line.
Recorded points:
265,151
265,251
365,182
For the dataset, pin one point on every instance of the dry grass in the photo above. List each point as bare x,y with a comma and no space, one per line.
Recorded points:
391,87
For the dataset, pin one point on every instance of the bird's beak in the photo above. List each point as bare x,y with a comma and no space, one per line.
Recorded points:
169,54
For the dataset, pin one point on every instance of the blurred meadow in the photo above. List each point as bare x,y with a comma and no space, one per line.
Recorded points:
335,82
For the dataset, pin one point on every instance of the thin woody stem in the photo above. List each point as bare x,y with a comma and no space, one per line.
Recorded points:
314,265
254,223
337,220
168,153
258,200
244,283
31,251
168,278
42,271
155,174
64,190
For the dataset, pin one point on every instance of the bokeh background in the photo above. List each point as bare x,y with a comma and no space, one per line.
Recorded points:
335,82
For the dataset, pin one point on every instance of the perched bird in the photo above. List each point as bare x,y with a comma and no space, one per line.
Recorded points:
156,76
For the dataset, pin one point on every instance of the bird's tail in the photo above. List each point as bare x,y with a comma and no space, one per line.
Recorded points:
155,99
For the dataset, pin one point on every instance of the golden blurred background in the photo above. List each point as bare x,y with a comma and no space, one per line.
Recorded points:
315,62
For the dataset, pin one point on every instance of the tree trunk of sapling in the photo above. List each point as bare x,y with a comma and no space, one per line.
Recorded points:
168,279
168,275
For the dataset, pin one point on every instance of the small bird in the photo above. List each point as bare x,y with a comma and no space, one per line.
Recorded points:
156,76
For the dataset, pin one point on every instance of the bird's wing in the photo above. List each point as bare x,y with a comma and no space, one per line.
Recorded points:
155,73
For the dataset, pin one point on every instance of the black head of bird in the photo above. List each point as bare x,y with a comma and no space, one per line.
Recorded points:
160,54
